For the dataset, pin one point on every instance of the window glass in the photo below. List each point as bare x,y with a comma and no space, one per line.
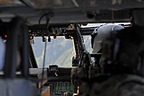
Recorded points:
58,52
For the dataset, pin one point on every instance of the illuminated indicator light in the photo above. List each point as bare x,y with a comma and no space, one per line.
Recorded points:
5,36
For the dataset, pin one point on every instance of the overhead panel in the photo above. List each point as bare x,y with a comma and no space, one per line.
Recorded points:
98,4
44,4
5,3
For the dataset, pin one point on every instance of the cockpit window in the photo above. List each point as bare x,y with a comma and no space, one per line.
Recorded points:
58,52
87,42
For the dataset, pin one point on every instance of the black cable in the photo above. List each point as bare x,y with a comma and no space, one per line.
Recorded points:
44,58
44,15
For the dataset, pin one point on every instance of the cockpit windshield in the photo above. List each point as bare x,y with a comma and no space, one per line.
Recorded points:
59,51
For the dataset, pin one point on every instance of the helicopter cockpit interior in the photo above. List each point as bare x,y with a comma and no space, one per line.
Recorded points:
48,43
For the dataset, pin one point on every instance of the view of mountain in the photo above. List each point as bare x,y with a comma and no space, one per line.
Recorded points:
58,52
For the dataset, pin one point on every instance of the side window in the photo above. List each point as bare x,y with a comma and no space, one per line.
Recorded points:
87,42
